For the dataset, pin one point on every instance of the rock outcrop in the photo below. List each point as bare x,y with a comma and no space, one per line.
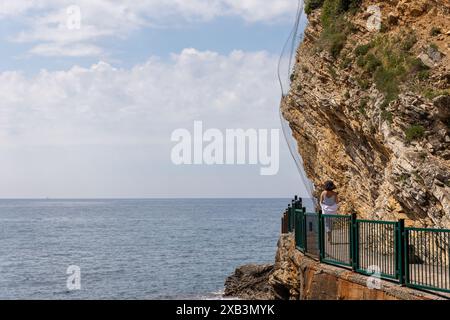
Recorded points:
370,110
250,282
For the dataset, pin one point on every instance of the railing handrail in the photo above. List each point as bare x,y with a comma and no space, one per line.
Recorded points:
394,252
428,229
376,221
336,215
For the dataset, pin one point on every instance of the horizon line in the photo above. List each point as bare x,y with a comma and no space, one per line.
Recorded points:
144,198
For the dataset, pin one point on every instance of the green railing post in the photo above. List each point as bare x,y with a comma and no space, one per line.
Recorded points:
401,252
354,241
282,224
321,236
297,232
298,202
293,215
304,232
289,218
406,251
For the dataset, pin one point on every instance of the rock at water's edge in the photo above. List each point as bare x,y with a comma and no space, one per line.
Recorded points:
250,282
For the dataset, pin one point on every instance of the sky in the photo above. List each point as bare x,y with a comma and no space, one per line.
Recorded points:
90,92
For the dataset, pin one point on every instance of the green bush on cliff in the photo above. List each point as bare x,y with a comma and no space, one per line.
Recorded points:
342,5
334,42
435,31
335,27
332,10
387,81
408,41
389,63
363,49
369,63
414,132
416,65
311,5
387,116
432,93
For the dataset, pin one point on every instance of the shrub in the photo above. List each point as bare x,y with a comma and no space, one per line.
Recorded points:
414,132
434,47
416,65
423,75
332,72
387,81
409,41
336,43
364,84
432,93
339,6
345,63
311,5
347,96
363,105
372,63
435,31
403,178
292,77
330,13
387,116
335,27
361,62
334,37
389,62
363,49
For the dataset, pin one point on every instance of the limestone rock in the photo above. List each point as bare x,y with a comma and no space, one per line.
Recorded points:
385,158
250,282
413,8
426,60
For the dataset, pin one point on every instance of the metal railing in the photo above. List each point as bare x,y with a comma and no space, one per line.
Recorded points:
415,257
376,247
427,258
337,235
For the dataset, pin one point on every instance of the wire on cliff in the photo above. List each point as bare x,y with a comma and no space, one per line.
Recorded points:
287,57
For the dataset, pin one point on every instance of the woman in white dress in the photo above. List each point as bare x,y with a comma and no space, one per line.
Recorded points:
329,204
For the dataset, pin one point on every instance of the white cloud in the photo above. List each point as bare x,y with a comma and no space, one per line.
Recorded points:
105,105
258,10
46,20
105,132
69,50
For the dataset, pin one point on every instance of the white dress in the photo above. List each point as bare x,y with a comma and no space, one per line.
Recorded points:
329,206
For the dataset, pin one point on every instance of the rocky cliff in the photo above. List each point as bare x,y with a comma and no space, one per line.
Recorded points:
369,106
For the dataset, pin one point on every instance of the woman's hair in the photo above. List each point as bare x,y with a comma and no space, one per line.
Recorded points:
329,186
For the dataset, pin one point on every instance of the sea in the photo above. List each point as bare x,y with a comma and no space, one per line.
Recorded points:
132,248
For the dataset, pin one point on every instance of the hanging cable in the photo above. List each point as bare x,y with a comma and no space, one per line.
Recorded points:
292,43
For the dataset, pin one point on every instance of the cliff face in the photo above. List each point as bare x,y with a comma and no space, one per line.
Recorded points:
370,110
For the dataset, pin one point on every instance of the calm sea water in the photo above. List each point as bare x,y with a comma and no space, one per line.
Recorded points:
132,249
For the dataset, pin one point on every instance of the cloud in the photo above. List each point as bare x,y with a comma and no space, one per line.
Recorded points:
71,50
257,10
102,131
105,105
46,21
